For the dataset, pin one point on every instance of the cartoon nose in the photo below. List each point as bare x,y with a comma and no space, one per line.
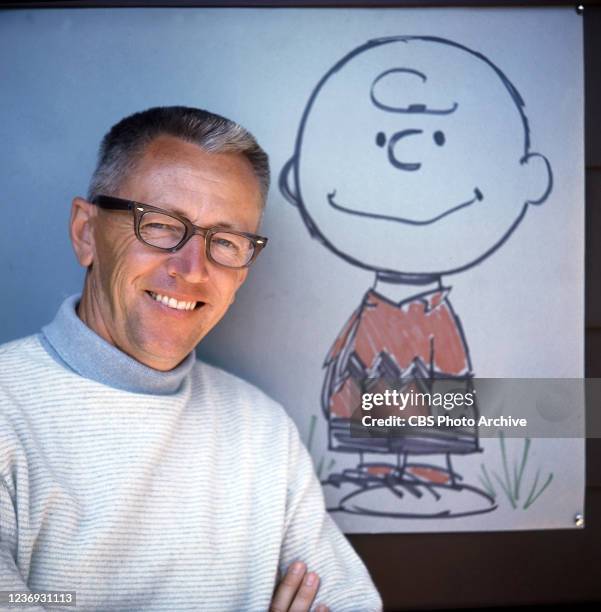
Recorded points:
396,150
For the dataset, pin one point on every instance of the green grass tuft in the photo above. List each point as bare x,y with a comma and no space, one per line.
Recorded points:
513,477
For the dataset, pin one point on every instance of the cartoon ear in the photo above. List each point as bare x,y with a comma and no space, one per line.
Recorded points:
538,164
286,182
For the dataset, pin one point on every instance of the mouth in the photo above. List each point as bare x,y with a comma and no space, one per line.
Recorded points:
478,197
173,303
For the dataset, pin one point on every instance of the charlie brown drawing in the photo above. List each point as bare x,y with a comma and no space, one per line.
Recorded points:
412,160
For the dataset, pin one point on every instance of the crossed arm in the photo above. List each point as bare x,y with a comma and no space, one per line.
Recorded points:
296,592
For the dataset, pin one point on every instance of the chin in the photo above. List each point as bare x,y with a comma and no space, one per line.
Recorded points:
164,363
162,355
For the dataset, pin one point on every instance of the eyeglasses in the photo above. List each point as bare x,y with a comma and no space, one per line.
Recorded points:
169,232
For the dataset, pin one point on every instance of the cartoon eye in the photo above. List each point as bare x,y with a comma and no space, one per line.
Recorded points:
380,139
439,138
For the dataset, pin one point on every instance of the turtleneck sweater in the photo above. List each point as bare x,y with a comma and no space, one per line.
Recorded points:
146,490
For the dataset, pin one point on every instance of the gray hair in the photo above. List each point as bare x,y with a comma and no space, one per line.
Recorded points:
126,141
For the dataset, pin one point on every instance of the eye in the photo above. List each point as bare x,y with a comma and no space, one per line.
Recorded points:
380,139
224,243
439,138
153,225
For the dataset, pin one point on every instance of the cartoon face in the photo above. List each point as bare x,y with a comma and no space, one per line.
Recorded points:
413,158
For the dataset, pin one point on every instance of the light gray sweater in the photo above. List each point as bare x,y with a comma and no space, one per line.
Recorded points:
146,490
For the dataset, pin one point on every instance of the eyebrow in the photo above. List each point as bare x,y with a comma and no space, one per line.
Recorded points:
181,213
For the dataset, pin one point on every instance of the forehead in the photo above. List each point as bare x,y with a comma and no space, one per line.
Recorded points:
167,157
171,171
400,74
388,84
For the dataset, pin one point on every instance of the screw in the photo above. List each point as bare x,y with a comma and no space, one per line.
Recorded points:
579,520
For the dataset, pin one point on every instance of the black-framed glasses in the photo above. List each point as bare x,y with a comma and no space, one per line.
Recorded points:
169,232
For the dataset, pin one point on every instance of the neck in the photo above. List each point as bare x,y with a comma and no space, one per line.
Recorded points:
90,313
78,348
399,288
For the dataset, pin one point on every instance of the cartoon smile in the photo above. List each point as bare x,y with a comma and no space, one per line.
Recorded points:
478,197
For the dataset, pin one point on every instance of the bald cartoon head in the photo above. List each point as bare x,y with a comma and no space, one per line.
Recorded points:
413,158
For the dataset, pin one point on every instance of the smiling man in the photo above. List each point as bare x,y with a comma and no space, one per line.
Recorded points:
153,306
131,473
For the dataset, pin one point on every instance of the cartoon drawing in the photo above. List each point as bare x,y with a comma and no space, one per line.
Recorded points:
514,476
412,160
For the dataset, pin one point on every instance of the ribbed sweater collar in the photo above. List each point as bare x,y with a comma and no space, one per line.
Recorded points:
77,347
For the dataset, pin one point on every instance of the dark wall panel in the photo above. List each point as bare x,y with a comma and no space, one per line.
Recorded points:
593,252
592,71
424,571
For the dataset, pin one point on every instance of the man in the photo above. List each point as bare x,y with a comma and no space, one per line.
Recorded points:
131,473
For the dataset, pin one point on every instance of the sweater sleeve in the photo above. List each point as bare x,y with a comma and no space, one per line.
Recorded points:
10,576
311,536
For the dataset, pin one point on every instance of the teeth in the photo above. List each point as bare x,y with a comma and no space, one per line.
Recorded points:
172,302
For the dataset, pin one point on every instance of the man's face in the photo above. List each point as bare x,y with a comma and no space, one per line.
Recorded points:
118,303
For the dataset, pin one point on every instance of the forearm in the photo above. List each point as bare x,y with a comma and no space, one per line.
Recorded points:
313,538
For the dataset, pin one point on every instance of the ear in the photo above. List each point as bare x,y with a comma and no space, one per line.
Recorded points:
286,181
80,230
539,173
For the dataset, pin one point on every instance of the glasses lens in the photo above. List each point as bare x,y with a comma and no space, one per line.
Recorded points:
231,249
161,230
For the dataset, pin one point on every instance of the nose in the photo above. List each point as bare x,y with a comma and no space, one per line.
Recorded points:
395,150
190,262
